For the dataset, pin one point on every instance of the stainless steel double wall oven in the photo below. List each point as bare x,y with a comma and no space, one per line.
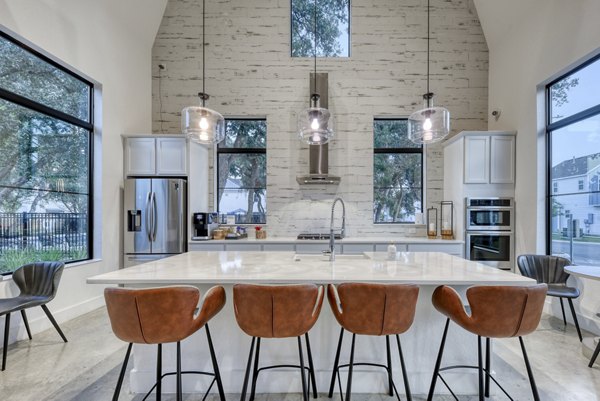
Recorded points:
489,231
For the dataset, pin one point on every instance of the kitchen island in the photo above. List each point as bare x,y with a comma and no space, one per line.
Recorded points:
420,343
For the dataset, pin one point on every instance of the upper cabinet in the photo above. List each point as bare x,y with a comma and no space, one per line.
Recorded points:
155,155
489,158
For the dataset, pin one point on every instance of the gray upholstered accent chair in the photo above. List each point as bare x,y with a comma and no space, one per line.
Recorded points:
551,270
38,283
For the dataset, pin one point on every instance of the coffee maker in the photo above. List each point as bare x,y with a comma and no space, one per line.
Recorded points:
203,224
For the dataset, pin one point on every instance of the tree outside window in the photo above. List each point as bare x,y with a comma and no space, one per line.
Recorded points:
397,173
242,171
332,27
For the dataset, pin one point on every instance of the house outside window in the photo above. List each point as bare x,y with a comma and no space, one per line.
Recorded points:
46,138
573,140
397,173
241,175
332,26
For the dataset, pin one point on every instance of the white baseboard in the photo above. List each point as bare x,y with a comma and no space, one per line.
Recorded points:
39,322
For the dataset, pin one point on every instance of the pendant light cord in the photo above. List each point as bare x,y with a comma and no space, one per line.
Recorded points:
428,39
203,53
315,50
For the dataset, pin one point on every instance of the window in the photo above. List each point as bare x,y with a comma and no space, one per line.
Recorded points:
242,171
46,131
573,140
332,23
397,173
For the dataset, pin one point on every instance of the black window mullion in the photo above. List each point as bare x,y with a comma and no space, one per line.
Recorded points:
43,109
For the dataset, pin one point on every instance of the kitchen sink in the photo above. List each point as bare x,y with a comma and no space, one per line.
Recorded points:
325,258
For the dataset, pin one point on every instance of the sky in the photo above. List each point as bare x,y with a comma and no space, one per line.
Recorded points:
582,138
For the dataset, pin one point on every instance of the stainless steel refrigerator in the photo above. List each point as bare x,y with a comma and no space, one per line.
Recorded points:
155,219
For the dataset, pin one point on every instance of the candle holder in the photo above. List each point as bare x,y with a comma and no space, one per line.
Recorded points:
432,223
447,212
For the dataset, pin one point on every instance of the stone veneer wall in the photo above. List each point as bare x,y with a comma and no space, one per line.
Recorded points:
250,73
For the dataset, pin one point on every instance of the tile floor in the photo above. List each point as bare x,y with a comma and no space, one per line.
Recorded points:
86,369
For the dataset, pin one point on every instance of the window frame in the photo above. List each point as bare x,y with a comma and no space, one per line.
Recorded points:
327,57
241,151
421,150
554,126
89,126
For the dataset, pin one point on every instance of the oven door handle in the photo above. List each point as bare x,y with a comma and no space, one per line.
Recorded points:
483,248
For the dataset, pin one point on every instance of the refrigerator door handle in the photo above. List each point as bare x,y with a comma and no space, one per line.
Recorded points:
154,216
149,222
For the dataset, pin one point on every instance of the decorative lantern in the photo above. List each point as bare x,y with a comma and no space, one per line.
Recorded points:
447,220
432,222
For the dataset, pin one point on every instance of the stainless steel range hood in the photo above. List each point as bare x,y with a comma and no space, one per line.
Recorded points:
318,167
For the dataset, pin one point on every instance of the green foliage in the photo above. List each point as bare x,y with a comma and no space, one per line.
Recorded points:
12,259
330,15
397,176
248,170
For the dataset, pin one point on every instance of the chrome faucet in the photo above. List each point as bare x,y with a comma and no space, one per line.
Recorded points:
331,250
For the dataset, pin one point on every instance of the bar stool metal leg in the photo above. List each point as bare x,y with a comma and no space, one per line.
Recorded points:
350,366
480,368
404,374
311,366
304,388
56,326
596,352
122,374
438,362
159,372
255,371
215,364
488,366
534,389
179,384
247,375
336,363
562,308
575,318
6,332
26,322
389,366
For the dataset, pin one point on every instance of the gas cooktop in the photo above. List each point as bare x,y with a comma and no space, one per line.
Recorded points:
317,236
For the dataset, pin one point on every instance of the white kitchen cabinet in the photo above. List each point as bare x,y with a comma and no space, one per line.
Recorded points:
206,246
357,248
477,160
384,247
502,160
140,156
155,155
489,159
267,247
242,247
171,156
452,249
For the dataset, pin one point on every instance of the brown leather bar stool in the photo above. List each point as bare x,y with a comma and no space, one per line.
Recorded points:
496,312
277,312
163,315
374,310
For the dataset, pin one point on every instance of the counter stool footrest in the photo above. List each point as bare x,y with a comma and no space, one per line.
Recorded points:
376,365
187,372
488,374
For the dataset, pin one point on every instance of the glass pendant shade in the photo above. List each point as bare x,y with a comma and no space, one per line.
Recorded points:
202,125
315,126
429,125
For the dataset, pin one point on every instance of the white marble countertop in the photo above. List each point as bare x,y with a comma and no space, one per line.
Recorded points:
423,268
591,272
351,240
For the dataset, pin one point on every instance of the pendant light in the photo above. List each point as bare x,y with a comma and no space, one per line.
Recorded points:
431,124
199,123
315,124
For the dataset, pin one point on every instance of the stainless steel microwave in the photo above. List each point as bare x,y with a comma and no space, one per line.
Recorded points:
489,214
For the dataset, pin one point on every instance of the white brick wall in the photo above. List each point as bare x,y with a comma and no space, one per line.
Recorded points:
250,73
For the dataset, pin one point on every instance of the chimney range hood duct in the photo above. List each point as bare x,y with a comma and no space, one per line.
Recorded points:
319,154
